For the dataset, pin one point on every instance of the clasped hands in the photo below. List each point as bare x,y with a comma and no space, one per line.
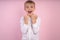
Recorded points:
33,17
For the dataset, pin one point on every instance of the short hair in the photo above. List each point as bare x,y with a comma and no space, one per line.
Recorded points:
29,1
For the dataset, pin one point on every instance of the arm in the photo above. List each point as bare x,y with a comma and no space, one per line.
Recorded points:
36,25
24,27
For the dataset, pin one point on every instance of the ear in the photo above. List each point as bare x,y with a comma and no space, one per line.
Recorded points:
24,8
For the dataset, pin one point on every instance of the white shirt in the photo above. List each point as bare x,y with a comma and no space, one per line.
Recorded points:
29,30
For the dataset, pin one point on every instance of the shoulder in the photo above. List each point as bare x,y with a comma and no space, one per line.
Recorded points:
21,18
38,18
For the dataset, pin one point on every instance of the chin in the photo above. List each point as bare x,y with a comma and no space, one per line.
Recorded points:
29,13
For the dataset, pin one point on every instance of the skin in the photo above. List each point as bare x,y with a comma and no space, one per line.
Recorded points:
30,7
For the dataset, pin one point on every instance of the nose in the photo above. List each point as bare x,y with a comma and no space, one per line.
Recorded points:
29,8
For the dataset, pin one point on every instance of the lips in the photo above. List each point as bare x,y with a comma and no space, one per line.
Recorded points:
29,11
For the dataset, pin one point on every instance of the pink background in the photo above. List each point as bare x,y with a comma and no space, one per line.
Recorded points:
11,11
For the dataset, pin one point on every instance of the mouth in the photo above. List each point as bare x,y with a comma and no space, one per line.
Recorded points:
29,11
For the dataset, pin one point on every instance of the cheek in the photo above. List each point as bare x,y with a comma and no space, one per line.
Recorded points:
33,9
26,9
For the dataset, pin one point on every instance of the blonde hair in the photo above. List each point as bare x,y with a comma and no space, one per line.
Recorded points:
29,1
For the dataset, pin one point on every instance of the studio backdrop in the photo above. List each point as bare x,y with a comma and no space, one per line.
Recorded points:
11,11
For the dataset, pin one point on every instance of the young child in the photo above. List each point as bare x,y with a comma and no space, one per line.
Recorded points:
30,22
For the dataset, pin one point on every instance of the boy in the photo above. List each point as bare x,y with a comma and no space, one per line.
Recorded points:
30,23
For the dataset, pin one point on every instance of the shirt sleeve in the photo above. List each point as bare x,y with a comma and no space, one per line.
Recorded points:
37,25
24,27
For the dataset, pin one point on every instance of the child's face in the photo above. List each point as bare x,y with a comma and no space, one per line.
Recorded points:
29,7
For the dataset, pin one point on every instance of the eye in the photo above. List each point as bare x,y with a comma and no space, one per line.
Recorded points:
27,7
31,6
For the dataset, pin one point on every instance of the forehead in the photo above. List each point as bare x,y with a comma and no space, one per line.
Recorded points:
29,4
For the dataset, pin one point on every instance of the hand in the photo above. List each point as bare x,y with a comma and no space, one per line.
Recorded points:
26,19
34,17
